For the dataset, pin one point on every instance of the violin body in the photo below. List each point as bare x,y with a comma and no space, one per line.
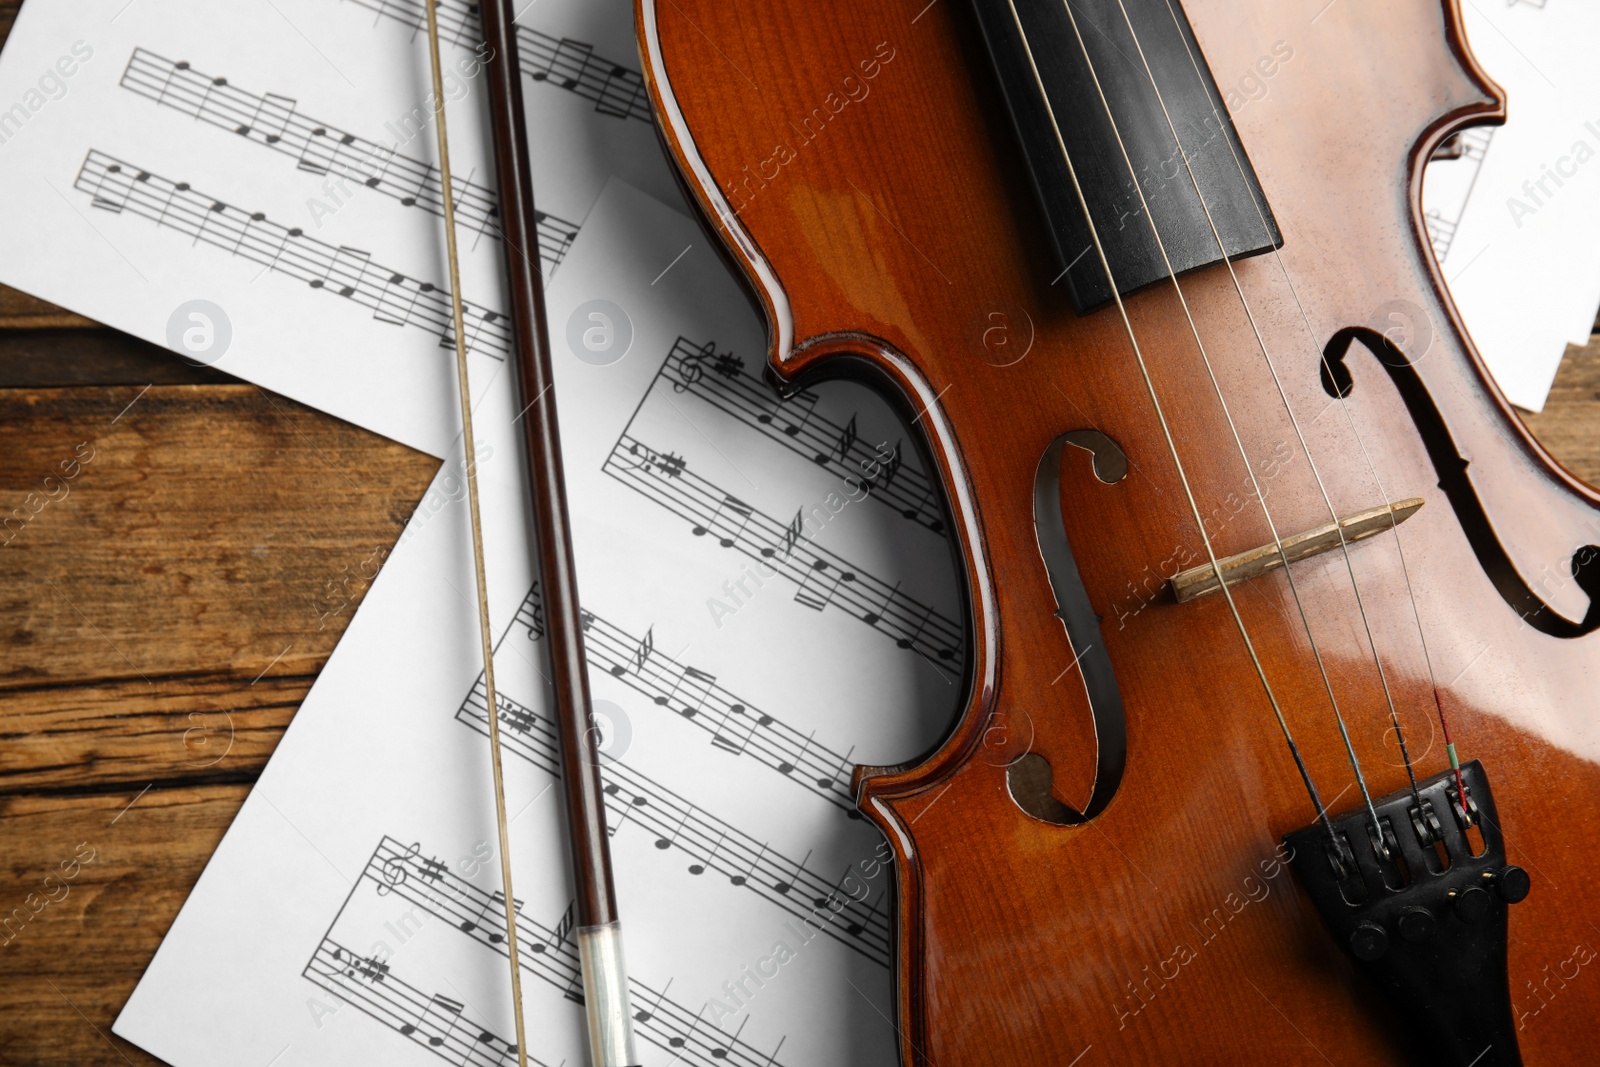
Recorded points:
859,165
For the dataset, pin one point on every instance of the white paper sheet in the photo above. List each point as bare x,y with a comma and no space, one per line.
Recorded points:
347,917
258,125
1516,218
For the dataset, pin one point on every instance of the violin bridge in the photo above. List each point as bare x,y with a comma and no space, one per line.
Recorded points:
1198,581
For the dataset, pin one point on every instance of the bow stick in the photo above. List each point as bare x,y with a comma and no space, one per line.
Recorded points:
599,933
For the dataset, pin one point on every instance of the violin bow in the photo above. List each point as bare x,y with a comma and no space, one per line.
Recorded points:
598,930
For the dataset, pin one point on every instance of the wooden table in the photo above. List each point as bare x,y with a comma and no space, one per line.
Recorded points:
166,610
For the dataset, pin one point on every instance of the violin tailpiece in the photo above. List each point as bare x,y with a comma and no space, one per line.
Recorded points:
1422,915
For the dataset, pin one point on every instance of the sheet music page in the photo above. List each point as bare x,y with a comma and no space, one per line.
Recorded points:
1515,217
350,915
271,169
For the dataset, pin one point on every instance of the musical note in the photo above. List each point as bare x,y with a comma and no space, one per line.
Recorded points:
271,117
427,183
443,1006
620,92
117,199
217,208
791,536
857,927
842,446
496,903
175,72
689,678
644,1015
877,614
683,1039
564,927
890,468
739,517
727,745
476,324
323,151
666,842
202,108
799,873
700,868
841,773
641,653
394,306
173,194
778,412
566,64
741,879
344,273
788,766
531,615
244,232
811,599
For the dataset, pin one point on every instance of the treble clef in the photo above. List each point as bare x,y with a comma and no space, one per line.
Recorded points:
691,368
394,869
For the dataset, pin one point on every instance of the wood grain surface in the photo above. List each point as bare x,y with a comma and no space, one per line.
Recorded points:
163,613
163,618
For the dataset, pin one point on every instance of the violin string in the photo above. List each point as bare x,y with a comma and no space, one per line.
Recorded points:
1205,358
1166,432
469,454
1372,467
1283,396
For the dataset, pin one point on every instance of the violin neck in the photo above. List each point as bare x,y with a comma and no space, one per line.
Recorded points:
1117,111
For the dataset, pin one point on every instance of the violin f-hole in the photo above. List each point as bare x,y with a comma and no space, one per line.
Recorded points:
1028,778
1451,467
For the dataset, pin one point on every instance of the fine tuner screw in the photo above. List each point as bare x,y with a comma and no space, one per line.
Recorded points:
1369,941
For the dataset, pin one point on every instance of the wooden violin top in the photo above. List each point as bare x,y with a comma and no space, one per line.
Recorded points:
860,164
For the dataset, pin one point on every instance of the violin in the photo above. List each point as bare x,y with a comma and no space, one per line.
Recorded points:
1279,719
